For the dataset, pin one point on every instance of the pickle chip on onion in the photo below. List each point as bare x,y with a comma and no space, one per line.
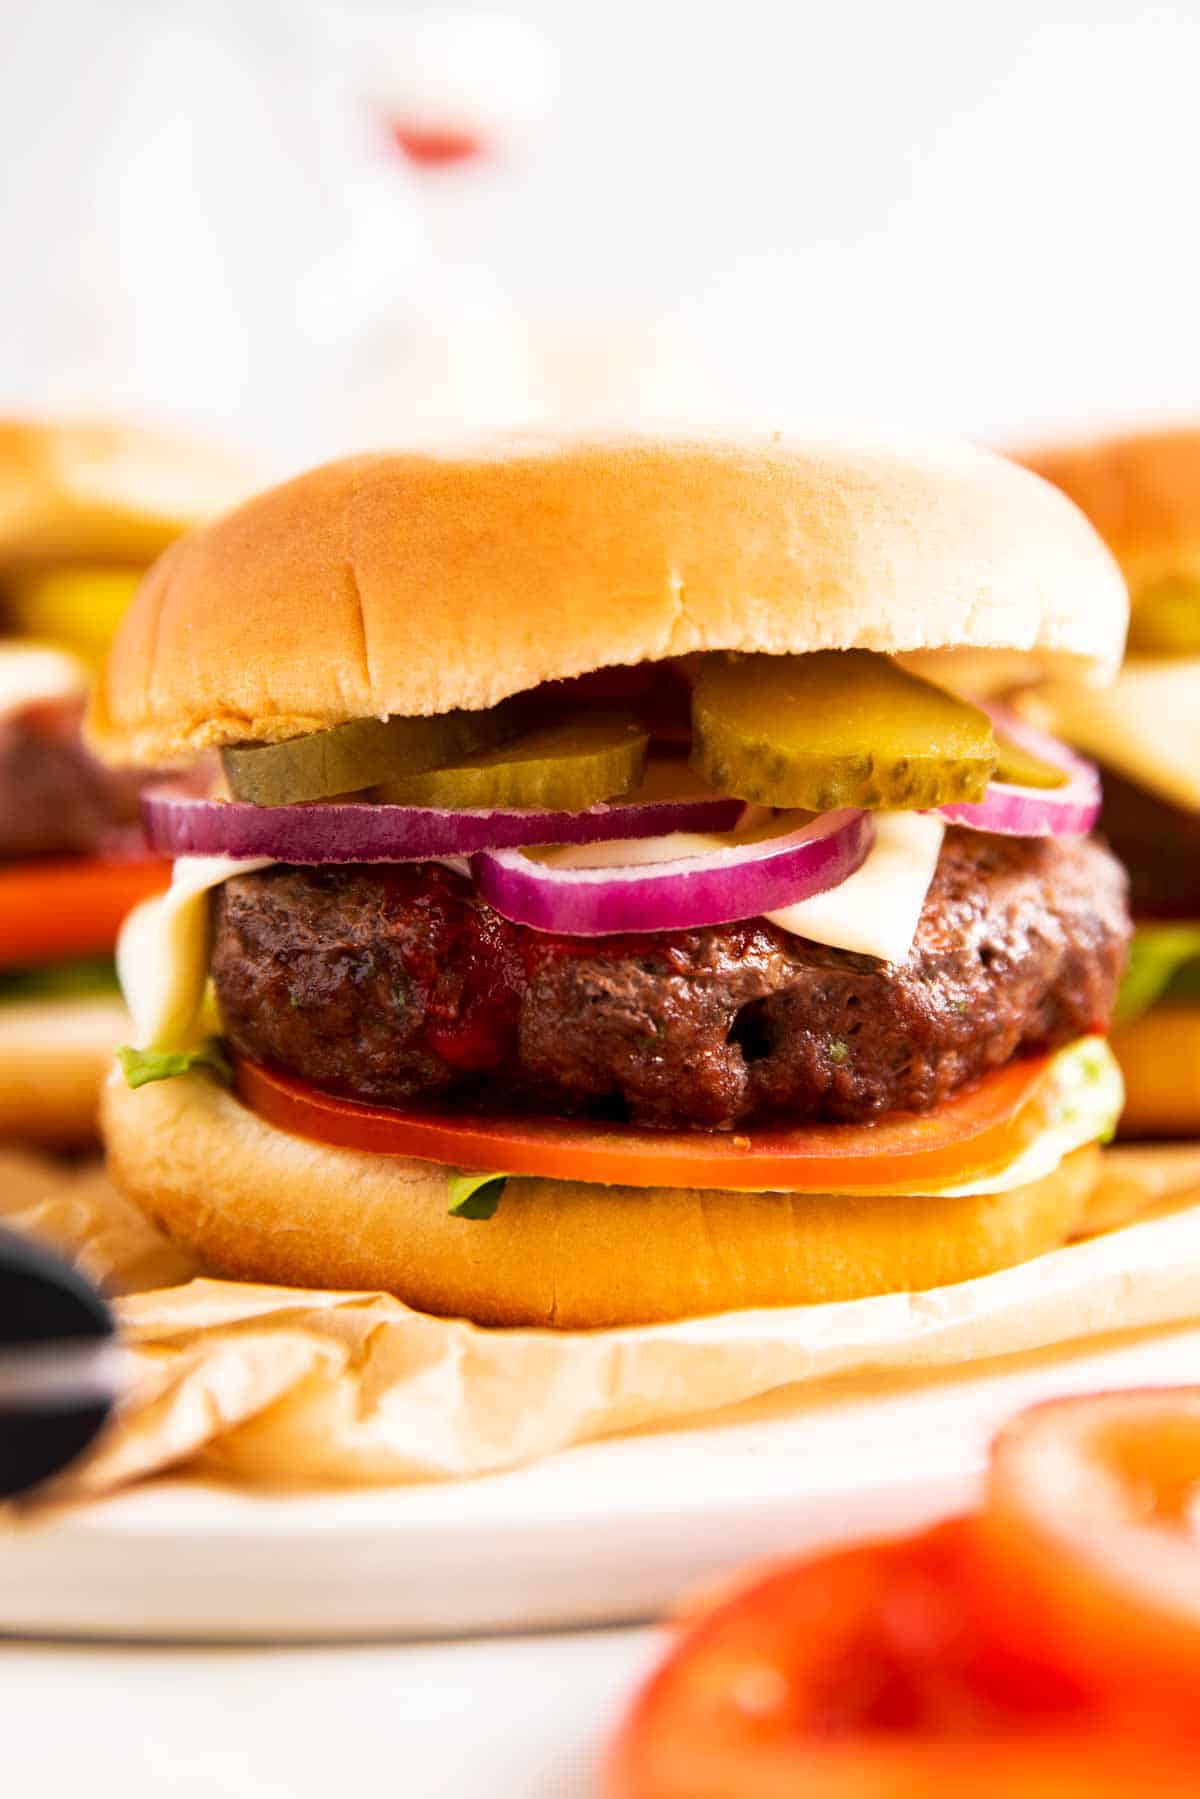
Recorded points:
359,754
563,765
1017,766
835,728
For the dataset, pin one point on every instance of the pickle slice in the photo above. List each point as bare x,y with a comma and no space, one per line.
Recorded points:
1019,767
360,754
1165,619
835,728
77,608
564,765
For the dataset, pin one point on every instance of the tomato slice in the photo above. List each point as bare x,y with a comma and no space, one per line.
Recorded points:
1088,1516
974,1132
72,906
865,1672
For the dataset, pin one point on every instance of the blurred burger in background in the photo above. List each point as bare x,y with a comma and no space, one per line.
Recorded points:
596,921
1142,493
84,508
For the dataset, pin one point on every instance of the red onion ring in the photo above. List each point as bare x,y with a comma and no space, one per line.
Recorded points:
684,893
180,824
1008,811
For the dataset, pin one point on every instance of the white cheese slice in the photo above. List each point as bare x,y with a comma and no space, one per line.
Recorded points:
875,911
162,952
31,673
672,846
1146,726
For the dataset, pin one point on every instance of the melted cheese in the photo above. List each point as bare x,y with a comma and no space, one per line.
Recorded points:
673,846
162,953
1146,726
875,911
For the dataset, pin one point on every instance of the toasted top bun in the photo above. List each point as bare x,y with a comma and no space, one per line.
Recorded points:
417,583
103,493
1142,493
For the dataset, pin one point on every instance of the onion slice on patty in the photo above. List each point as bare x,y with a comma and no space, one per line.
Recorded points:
801,856
180,824
1067,811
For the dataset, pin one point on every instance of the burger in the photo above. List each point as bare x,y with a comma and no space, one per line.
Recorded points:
84,509
597,919
1143,494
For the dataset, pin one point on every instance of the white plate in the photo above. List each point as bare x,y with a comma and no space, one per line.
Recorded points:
610,1532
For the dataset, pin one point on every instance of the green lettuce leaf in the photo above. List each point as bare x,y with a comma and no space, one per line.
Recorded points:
141,1066
475,1195
60,980
1164,963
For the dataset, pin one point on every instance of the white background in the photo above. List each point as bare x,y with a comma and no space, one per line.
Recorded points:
930,212
974,216
506,1718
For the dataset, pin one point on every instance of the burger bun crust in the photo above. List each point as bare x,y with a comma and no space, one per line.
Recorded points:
414,584
1142,493
73,491
255,1203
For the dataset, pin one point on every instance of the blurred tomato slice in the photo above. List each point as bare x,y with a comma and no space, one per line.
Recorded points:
1089,1525
435,147
53,910
866,1674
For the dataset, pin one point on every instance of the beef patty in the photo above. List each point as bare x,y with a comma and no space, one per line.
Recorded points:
55,798
400,984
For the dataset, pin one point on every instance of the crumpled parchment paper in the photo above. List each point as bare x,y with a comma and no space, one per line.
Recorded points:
276,1386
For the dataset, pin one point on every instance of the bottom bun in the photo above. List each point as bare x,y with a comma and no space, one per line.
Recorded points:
1159,1055
54,1055
257,1204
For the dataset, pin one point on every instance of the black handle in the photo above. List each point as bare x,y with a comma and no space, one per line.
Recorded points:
44,1301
